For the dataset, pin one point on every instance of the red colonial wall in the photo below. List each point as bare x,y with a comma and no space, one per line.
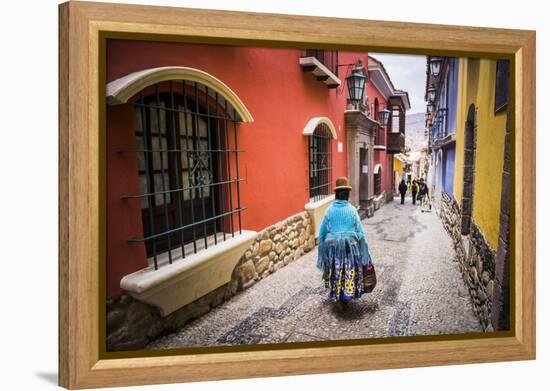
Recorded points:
281,99
380,156
123,215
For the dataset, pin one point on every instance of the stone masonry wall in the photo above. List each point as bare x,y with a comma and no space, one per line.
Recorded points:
274,248
379,200
131,324
475,257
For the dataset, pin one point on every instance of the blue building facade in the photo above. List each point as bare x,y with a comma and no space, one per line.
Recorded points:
441,95
448,169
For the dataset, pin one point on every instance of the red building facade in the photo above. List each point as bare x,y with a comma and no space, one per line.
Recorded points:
389,139
208,143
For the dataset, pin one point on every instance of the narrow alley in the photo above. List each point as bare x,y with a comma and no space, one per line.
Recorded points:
419,292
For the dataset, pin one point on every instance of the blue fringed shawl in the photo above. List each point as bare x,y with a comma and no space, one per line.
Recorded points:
341,227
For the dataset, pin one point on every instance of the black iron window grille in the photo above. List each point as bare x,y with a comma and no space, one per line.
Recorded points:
188,166
320,163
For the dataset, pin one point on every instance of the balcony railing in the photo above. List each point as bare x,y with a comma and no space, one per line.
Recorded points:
323,64
439,126
396,142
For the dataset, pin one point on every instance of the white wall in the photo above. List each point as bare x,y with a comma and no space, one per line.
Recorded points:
28,161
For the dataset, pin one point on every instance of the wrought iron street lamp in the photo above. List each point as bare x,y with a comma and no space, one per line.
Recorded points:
431,93
383,116
435,66
356,86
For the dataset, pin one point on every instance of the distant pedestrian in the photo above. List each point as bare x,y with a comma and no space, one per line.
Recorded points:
424,194
421,190
402,190
343,254
414,190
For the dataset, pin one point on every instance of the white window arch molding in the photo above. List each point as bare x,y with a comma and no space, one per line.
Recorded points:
119,91
313,123
317,208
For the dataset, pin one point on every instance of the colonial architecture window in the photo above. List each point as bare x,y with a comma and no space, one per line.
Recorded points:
320,162
395,120
378,179
502,85
380,136
187,153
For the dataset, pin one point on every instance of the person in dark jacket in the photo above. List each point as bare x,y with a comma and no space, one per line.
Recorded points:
414,190
424,195
402,190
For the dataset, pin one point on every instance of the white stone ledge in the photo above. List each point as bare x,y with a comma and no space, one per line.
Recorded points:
320,70
317,210
174,285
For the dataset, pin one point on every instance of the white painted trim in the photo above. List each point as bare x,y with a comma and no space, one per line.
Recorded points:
316,121
317,211
377,168
380,147
174,285
122,89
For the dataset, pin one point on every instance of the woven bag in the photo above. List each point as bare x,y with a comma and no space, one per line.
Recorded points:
369,278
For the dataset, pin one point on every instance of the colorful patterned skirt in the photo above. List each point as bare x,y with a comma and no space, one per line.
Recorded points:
343,269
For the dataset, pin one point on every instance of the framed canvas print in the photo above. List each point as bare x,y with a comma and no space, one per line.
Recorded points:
247,195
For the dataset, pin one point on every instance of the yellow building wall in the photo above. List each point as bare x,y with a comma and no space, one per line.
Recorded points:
477,86
398,166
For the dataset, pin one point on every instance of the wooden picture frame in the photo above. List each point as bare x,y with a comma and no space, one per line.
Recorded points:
81,361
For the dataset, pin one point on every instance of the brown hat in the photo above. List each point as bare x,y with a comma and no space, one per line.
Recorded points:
342,183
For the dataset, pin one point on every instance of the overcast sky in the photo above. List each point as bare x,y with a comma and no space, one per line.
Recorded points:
407,72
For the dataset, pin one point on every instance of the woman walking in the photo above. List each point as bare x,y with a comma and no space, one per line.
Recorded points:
344,256
402,190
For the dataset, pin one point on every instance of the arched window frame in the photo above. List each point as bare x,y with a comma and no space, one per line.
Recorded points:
321,132
196,137
377,179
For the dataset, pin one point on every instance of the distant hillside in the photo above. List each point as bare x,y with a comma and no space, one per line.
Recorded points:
414,132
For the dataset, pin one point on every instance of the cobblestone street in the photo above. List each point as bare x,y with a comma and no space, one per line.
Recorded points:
419,292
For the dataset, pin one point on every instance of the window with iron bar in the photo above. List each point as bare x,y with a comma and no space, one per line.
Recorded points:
378,183
395,121
320,163
188,167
